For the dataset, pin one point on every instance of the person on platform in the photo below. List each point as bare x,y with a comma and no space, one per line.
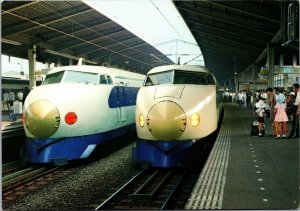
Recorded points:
281,117
296,112
260,112
11,96
6,101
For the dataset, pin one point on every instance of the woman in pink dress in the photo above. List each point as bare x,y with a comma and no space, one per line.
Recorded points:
281,117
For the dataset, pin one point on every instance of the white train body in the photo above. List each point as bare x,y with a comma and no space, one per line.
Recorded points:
177,106
86,104
200,99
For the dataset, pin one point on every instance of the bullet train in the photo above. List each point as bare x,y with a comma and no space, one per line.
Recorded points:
75,109
177,106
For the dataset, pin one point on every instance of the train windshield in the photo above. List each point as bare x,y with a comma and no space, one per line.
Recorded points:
159,78
180,77
71,76
185,77
80,77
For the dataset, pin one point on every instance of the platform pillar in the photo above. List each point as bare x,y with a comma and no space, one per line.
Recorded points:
32,66
254,76
270,64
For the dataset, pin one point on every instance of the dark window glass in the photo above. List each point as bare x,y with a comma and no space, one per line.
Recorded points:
210,79
105,79
185,77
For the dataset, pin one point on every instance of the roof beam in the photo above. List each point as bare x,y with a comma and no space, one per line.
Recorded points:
250,25
273,17
41,21
92,37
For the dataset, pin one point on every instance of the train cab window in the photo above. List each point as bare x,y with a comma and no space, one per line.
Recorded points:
159,78
185,77
53,78
105,79
80,77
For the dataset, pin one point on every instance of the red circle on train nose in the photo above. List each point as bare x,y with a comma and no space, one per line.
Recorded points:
70,118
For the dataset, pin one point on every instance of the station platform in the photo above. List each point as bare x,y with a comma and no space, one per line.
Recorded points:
10,120
248,172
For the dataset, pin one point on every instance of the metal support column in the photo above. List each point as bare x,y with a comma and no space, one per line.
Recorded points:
32,66
270,64
254,77
244,81
295,63
236,82
58,62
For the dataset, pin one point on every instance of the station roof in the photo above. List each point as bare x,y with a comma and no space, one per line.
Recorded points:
72,29
232,35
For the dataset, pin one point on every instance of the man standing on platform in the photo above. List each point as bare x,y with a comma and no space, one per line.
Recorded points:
296,112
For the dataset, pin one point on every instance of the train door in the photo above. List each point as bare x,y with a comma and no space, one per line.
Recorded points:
121,100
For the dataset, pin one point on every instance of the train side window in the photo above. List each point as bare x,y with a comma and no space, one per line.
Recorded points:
105,79
109,80
148,82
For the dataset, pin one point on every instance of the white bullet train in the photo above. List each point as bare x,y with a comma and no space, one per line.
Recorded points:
75,109
177,106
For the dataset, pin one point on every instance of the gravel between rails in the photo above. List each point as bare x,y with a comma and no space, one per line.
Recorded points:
81,187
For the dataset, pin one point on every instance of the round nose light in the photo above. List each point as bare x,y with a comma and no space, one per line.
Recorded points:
166,120
71,118
42,118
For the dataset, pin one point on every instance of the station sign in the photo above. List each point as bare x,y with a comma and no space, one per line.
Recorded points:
287,69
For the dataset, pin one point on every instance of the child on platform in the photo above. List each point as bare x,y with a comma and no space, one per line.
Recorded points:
281,117
260,111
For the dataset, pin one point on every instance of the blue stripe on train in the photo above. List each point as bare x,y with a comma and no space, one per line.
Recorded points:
122,96
46,150
164,154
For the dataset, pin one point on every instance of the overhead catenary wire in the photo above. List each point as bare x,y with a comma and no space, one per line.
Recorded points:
193,58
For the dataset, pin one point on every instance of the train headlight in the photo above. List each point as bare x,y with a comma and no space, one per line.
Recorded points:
141,120
71,118
195,120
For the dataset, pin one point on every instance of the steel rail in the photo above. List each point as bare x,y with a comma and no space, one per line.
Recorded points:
101,206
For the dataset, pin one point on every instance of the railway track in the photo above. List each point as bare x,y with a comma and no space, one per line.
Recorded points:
18,179
153,189
13,130
160,189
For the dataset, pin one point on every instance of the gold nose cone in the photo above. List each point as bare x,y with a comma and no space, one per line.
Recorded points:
42,119
166,121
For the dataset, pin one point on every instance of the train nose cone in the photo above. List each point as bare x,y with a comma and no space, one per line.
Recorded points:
42,118
166,121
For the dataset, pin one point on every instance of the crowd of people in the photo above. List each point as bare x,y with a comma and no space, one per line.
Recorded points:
280,106
9,97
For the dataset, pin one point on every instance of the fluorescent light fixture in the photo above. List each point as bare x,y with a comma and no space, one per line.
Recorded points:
10,42
156,22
